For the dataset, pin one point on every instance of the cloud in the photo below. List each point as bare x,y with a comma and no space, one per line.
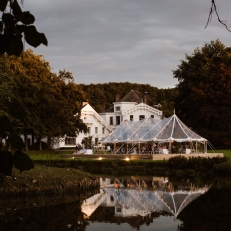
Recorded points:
124,40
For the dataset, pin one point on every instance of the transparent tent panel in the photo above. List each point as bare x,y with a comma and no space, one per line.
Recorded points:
178,133
151,129
166,132
119,130
188,131
151,134
145,127
130,130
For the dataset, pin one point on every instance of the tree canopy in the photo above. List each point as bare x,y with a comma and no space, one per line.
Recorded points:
204,100
38,101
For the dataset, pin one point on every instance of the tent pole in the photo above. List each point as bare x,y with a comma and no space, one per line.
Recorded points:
139,147
196,146
170,148
114,147
127,149
205,145
190,146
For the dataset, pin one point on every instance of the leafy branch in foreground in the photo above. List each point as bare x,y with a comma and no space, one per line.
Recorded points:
13,25
9,159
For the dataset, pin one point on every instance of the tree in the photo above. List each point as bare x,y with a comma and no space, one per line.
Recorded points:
204,100
37,101
13,25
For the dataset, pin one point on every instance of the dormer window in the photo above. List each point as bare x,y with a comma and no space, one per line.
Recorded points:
117,108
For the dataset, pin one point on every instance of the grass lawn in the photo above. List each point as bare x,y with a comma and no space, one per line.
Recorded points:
44,155
55,155
227,152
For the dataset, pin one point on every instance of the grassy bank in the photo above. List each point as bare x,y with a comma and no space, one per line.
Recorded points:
43,180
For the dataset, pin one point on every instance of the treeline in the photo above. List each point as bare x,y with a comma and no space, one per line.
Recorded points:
102,96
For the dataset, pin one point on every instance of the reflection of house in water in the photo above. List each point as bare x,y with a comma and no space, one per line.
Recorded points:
135,197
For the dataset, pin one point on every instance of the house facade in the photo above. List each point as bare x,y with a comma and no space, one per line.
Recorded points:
97,128
134,106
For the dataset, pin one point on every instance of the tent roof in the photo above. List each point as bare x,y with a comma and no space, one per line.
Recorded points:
150,129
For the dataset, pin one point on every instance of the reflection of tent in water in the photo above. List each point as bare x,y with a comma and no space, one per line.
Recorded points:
134,202
137,202
166,130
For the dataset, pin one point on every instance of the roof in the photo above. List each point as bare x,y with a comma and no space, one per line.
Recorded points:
133,96
150,129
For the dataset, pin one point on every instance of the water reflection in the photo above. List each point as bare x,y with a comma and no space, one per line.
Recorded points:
138,201
120,204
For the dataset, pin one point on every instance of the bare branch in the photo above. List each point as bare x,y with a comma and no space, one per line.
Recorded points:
212,10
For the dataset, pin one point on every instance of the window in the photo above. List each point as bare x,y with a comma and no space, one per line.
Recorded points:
96,130
111,120
131,117
117,108
89,130
96,141
152,116
117,120
103,130
118,210
70,141
141,117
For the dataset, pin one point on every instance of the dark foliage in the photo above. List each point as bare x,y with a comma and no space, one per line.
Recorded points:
22,161
204,99
180,165
102,96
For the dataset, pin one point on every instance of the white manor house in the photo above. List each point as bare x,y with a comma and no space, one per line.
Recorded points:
133,106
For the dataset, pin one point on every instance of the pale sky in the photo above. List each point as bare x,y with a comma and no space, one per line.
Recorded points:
137,41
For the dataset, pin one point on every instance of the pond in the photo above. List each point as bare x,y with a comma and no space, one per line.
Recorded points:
131,203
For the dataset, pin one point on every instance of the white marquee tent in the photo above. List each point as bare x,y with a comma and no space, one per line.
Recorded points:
167,130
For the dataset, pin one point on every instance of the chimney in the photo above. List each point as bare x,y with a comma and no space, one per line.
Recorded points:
117,98
103,108
146,98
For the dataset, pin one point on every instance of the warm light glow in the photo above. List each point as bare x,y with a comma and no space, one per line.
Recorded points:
100,158
73,157
127,159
